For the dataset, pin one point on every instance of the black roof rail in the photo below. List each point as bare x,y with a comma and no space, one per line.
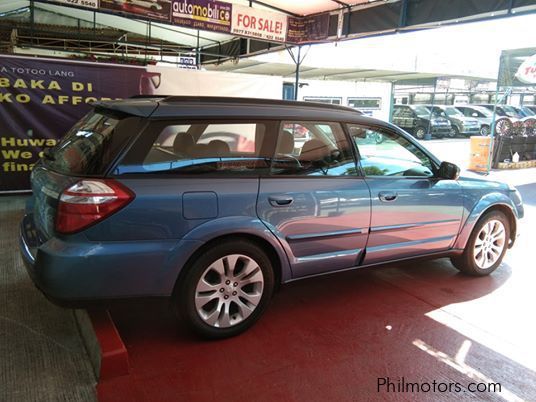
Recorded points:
257,101
148,96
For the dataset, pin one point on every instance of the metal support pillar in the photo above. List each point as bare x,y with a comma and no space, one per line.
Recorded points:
297,74
298,60
198,52
428,134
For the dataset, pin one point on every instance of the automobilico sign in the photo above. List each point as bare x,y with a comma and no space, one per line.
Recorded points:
202,14
259,24
526,72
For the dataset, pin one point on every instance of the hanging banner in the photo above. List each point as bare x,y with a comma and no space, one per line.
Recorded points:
41,99
216,16
259,24
308,29
202,14
147,9
518,68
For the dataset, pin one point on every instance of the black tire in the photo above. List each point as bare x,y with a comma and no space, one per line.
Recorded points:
420,132
485,130
454,132
184,297
465,263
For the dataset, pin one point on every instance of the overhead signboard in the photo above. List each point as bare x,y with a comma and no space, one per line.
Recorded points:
518,68
217,16
308,29
259,24
202,14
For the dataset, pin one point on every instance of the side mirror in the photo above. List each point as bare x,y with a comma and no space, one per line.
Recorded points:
448,171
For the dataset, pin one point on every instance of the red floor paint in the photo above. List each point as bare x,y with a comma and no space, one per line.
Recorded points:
114,355
331,338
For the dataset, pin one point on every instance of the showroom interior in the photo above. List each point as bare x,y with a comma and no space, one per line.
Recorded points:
407,312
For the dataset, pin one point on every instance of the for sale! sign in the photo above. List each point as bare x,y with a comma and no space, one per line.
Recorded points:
259,24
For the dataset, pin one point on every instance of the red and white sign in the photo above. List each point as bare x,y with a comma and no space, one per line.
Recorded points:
526,73
259,24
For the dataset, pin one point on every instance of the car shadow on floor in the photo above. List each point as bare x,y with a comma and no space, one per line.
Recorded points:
334,337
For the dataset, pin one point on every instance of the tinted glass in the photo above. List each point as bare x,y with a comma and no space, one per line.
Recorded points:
205,148
421,111
92,143
313,149
383,153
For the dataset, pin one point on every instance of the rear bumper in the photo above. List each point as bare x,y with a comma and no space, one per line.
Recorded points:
79,272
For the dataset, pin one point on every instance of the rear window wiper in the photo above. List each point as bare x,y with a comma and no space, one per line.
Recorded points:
47,153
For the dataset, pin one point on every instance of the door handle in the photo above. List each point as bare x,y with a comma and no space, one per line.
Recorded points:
387,196
280,200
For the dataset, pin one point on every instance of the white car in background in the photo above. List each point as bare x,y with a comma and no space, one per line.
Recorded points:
149,4
482,114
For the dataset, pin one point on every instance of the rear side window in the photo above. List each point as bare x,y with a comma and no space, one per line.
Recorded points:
313,149
207,147
91,145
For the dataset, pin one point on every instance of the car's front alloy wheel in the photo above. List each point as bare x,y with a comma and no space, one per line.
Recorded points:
226,289
486,246
489,244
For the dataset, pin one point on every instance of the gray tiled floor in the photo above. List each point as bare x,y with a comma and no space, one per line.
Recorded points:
42,357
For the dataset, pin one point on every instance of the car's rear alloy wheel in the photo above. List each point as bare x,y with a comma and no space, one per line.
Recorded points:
485,130
486,246
226,289
229,290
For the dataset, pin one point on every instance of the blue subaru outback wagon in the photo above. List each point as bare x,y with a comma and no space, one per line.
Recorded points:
215,201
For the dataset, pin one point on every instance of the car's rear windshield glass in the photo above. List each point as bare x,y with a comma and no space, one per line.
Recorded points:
88,147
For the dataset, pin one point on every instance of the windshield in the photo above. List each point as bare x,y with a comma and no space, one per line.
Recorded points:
510,111
484,111
453,112
527,111
421,111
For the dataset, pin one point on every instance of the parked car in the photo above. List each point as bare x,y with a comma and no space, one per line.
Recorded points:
531,108
119,210
416,120
483,115
524,111
461,125
503,110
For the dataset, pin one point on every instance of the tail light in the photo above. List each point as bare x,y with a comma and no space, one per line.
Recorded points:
88,202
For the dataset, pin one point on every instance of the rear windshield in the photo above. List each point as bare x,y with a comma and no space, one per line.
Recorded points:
90,146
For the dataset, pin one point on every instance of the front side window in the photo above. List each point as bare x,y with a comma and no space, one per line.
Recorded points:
385,153
197,148
312,149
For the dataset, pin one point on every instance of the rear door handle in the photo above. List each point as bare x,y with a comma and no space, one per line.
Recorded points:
280,200
387,196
